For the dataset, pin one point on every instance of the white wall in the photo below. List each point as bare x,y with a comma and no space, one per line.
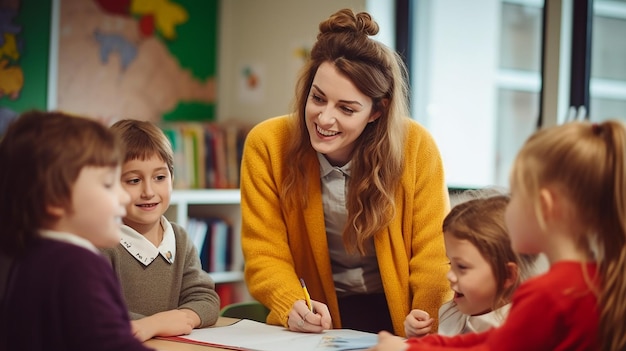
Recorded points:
264,35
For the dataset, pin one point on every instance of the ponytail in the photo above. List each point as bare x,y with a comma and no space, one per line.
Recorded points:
612,243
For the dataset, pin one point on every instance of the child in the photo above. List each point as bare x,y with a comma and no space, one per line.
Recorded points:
166,290
568,201
484,269
61,198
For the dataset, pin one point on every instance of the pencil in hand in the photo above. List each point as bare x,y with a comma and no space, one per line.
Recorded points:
307,297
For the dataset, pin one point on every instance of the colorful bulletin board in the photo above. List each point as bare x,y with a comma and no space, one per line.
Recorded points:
143,59
24,47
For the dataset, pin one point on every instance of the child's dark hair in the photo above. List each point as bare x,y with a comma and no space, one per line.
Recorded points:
481,222
142,140
41,156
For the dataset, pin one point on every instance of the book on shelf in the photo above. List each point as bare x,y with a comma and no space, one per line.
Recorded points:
206,155
231,134
197,230
173,133
218,167
212,237
226,292
219,257
193,135
209,158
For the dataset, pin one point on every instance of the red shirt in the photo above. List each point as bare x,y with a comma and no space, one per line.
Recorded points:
554,311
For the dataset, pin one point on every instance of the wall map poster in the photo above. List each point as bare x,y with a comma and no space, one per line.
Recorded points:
142,59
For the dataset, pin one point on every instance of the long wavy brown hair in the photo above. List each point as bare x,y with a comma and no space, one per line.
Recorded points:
377,160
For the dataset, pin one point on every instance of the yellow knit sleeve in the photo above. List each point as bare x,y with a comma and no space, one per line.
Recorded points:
269,268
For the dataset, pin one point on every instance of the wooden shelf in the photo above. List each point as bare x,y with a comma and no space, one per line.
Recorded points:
227,277
182,199
206,196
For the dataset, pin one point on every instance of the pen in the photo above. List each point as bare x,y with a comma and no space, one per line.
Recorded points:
307,297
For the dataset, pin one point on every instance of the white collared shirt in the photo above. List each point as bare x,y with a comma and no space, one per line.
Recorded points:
454,322
352,273
143,250
69,238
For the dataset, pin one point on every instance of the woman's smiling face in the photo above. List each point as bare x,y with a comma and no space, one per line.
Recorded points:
336,114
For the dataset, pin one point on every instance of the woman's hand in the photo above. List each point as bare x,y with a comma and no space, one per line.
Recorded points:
417,323
301,319
389,342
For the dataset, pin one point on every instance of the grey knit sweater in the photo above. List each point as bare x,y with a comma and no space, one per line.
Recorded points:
162,286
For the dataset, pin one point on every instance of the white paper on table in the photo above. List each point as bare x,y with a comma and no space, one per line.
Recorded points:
255,336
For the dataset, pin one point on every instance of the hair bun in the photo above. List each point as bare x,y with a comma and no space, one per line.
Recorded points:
346,21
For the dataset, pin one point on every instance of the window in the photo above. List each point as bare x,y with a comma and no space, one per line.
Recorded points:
475,79
608,61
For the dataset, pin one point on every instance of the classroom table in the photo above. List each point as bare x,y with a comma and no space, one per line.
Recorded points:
249,334
168,345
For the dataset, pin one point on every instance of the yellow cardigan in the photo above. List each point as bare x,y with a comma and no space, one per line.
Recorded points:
281,245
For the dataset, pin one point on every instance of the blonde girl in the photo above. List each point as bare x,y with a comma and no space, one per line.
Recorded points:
568,201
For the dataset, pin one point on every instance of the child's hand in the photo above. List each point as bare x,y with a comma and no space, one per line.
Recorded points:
389,342
168,323
417,323
303,320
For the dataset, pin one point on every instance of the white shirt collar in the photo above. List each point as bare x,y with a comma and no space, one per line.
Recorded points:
68,238
143,250
326,167
480,323
453,322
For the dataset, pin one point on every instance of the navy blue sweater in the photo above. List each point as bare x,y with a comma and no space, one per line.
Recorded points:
64,297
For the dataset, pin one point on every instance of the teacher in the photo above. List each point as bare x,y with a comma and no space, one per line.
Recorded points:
346,192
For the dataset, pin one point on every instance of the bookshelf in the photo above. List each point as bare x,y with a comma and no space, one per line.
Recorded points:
182,200
205,201
225,203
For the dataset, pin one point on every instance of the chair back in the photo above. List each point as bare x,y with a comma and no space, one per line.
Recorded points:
252,310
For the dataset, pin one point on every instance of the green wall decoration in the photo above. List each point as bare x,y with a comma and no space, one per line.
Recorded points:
24,48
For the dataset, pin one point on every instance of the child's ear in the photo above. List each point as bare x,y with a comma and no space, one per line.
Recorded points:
548,205
555,207
512,274
56,210
546,199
